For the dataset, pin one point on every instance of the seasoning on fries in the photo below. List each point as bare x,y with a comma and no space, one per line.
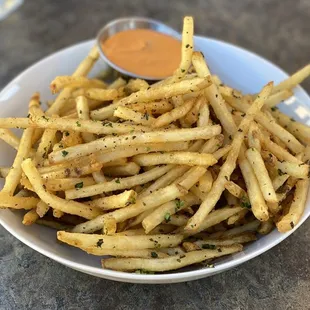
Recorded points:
158,177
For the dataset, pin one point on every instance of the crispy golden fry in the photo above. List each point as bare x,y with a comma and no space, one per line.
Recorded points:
118,201
192,116
119,242
218,186
66,206
279,180
118,183
277,97
42,208
164,212
57,213
296,209
173,115
128,169
72,172
89,126
173,135
7,136
235,189
137,117
290,220
293,80
248,227
258,204
109,226
191,177
257,163
129,151
253,137
170,263
187,48
209,243
213,95
143,253
203,115
15,202
299,171
156,107
102,94
14,175
135,85
237,217
46,143
60,82
299,130
119,82
82,70
215,217
177,220
205,182
4,171
266,227
83,113
176,158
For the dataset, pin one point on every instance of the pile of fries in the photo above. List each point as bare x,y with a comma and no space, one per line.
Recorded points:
158,176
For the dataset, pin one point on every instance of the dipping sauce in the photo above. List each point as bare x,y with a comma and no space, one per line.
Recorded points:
144,52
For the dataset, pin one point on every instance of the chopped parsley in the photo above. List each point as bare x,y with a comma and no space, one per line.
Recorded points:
154,254
209,246
67,133
117,181
280,172
167,217
46,118
108,124
78,124
274,109
179,203
79,185
143,271
64,153
246,204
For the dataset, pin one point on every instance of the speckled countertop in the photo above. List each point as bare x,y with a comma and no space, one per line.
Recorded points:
279,279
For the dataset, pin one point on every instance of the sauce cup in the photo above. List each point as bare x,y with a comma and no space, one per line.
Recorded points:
128,23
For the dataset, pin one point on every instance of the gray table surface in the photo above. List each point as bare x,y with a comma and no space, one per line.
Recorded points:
279,279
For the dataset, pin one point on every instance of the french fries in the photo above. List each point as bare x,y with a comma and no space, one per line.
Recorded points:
170,263
230,163
135,139
176,158
261,173
158,176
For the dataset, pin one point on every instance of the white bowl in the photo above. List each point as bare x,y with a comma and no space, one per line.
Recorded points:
236,67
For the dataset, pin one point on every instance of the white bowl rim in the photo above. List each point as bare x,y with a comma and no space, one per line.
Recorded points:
152,278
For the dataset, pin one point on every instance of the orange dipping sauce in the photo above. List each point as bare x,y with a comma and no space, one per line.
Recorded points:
144,52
